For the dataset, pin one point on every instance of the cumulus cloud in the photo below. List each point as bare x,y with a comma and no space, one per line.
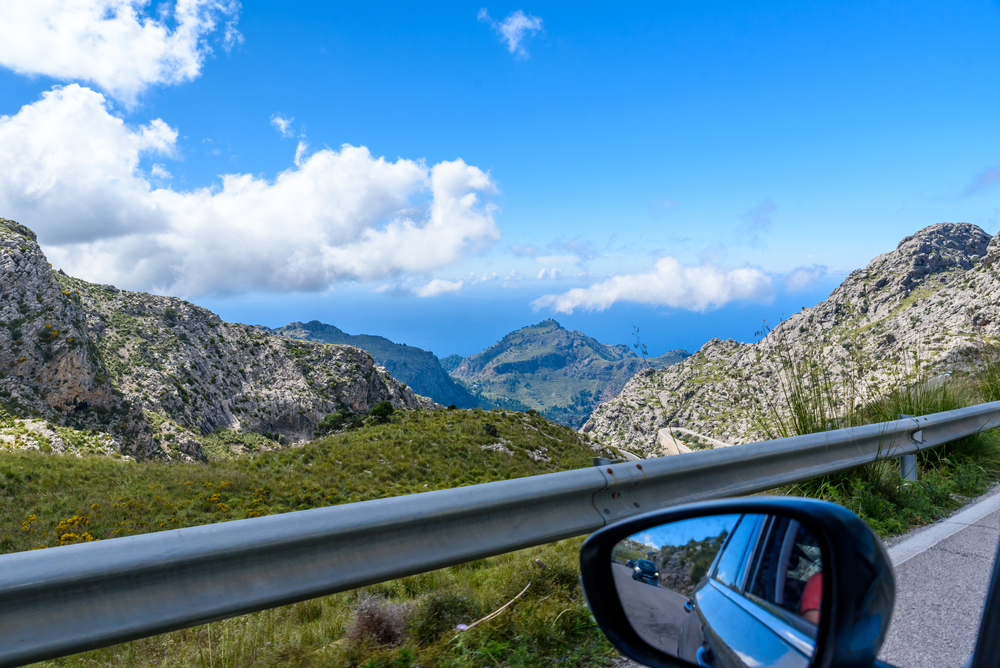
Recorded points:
549,273
513,29
72,171
985,180
438,286
669,284
803,278
113,43
283,125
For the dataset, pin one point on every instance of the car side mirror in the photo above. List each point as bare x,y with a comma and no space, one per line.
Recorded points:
745,582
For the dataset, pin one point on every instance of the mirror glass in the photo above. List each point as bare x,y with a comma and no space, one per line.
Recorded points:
724,590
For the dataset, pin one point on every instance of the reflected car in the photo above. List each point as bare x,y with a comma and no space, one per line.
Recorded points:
646,571
759,598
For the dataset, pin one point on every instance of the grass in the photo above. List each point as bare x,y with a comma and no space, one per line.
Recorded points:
49,500
948,475
413,451
414,618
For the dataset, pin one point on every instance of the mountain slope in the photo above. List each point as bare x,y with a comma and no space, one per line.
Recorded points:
157,373
418,368
935,298
560,373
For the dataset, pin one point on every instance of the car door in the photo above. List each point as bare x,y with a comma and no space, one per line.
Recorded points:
741,629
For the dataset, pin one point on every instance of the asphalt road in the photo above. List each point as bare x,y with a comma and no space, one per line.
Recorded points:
940,589
656,613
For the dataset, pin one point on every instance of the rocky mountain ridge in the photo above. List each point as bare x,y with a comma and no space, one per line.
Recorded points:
563,374
934,299
418,368
158,374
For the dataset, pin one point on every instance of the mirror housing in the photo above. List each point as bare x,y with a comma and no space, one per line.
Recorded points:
859,584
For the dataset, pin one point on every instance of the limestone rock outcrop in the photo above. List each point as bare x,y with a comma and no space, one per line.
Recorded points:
934,299
158,372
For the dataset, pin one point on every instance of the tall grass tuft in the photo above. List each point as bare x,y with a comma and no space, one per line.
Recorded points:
807,397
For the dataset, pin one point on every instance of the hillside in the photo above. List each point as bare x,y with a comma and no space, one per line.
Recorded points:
157,374
418,368
563,374
933,302
416,451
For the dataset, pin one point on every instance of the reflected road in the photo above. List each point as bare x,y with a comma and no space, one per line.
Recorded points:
656,613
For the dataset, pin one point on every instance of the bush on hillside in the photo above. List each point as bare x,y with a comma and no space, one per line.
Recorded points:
381,411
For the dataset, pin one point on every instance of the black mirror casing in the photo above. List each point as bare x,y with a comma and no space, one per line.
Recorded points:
858,594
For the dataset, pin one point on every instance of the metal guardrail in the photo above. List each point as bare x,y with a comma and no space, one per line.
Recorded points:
69,599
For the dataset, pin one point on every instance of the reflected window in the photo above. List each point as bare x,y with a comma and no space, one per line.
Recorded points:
786,570
731,558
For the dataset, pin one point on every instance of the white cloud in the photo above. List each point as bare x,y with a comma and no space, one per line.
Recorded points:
513,29
71,172
669,284
159,172
300,152
550,273
283,125
112,43
438,286
803,278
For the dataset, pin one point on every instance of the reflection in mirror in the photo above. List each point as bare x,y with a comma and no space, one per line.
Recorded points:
726,591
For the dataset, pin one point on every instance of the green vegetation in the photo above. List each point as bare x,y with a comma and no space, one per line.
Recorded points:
411,451
47,501
817,400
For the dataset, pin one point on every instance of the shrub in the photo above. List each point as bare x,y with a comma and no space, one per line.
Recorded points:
331,422
378,620
490,429
381,411
438,613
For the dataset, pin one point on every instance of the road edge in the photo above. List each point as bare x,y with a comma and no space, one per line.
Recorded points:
926,538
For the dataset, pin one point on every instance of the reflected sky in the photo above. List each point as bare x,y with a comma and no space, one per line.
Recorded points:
681,533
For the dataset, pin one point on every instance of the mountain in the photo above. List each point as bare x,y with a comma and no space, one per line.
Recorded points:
563,374
451,362
418,368
158,374
934,300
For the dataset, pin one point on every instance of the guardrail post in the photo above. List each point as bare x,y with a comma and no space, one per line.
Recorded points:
907,463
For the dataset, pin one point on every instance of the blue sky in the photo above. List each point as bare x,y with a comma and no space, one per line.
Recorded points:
692,168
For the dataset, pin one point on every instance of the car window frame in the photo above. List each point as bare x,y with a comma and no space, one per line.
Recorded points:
785,617
714,570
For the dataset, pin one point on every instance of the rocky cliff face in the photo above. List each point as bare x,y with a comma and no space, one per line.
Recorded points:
936,298
158,373
561,373
418,368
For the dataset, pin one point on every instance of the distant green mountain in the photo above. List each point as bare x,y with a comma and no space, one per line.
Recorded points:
563,374
418,368
451,362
